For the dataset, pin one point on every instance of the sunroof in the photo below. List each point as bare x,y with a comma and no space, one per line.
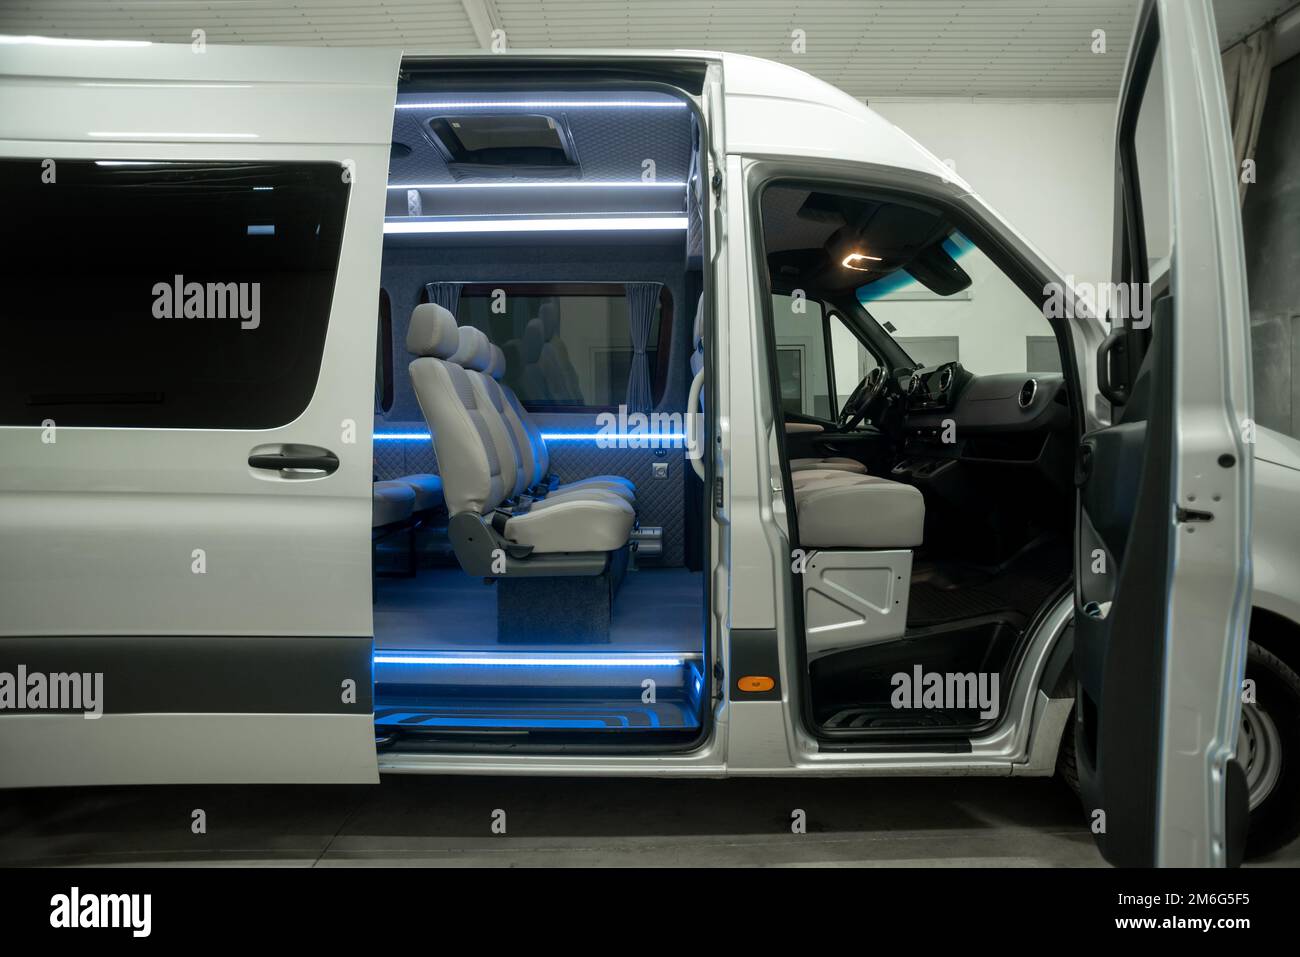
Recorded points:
503,140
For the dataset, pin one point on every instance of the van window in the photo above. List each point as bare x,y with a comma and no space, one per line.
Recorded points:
568,346
801,356
147,294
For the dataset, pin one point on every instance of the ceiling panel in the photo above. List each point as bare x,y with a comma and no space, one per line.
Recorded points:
870,48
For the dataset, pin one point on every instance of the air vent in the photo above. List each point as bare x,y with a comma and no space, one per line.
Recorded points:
945,379
913,383
1027,393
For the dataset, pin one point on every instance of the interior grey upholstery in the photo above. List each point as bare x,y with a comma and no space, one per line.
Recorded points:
392,502
477,456
844,510
427,489
536,460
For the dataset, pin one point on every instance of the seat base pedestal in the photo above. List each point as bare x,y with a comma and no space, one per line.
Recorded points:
570,609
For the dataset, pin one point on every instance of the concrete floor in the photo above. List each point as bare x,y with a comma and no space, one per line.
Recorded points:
416,820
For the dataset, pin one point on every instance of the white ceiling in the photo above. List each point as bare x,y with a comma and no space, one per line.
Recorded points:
869,48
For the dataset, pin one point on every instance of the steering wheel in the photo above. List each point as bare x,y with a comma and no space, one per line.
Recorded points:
860,401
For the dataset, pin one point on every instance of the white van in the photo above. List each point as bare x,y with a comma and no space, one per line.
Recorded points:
654,457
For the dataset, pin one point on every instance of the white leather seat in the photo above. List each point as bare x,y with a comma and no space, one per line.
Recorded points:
844,510
534,457
392,502
427,489
838,464
476,455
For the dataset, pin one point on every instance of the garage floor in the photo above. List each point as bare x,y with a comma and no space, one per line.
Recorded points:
416,820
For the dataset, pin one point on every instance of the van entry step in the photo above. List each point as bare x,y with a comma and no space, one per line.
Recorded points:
555,715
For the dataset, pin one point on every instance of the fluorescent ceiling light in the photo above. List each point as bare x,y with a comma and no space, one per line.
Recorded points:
545,105
577,184
572,224
71,42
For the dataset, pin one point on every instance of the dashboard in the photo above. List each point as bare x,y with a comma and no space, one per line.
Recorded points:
1007,402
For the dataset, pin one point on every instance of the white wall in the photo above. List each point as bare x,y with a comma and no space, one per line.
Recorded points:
1046,167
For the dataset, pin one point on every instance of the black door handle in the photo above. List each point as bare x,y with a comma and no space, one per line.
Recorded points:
302,458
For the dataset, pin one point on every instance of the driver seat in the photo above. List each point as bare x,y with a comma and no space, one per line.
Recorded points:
836,464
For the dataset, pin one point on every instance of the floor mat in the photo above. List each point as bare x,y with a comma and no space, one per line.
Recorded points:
944,592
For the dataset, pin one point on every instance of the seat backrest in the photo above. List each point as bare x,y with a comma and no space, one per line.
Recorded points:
697,338
458,417
478,355
534,456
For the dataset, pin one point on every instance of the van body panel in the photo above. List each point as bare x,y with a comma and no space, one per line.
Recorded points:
170,532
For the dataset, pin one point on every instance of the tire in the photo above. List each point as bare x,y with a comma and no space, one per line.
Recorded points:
1275,814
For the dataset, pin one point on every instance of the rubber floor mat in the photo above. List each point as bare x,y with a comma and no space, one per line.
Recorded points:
943,594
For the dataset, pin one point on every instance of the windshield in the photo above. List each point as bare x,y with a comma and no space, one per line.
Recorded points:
989,325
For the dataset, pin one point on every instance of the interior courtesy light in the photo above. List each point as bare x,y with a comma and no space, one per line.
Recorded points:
546,105
72,42
859,261
589,224
530,661
575,184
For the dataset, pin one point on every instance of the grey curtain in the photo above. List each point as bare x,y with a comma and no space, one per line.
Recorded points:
445,294
642,300
1246,69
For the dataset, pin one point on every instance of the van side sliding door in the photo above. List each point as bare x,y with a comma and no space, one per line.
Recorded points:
186,390
1163,563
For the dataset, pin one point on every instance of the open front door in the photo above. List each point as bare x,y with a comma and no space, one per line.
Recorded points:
1163,569
192,242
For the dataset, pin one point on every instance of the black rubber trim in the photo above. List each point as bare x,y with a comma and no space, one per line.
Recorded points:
202,674
755,651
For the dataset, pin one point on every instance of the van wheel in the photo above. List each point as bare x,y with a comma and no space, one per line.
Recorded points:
1268,750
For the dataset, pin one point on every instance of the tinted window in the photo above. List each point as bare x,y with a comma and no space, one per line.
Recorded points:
168,295
567,345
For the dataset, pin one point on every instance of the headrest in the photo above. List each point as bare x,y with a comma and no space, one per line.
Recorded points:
534,339
475,350
697,336
550,316
497,367
432,331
